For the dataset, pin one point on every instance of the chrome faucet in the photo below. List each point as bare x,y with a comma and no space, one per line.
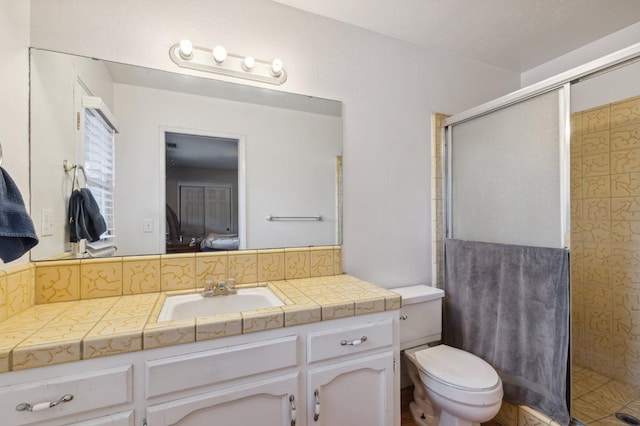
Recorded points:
220,289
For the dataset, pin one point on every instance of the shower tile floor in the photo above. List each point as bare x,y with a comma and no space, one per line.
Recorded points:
596,398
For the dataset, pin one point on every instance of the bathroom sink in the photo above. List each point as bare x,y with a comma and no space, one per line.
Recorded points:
195,305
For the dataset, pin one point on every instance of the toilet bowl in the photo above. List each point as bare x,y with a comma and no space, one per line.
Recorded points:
451,387
463,390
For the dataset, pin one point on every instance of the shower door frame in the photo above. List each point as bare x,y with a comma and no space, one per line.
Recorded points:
561,82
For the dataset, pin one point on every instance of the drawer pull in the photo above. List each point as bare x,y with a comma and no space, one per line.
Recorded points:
25,406
293,410
355,342
316,408
403,317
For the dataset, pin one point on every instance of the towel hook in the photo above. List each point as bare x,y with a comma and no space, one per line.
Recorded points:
68,167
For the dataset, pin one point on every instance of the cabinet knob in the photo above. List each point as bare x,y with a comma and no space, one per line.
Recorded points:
25,406
316,408
355,342
403,317
293,410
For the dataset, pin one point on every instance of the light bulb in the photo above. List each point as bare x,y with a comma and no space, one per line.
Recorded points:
248,63
276,67
219,54
186,49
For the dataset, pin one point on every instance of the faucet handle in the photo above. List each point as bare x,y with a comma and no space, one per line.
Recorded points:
231,283
208,285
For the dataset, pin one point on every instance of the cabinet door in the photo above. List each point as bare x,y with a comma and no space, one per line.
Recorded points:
264,403
352,393
119,419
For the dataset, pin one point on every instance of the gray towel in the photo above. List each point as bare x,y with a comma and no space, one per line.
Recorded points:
510,306
85,219
17,234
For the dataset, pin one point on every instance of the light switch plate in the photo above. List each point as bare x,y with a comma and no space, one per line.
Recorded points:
46,227
147,225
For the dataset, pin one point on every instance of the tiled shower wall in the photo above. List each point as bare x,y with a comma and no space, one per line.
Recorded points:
437,225
605,233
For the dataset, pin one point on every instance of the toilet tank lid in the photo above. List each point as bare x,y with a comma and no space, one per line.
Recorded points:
418,293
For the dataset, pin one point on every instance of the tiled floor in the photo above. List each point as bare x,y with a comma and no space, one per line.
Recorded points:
406,396
596,398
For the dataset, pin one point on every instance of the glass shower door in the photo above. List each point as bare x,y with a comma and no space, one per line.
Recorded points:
507,174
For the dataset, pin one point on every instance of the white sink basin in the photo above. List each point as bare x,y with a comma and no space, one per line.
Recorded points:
195,305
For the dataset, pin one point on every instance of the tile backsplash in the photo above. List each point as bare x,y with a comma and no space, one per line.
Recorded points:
58,281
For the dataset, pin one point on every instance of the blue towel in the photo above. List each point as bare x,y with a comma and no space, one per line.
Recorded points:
17,234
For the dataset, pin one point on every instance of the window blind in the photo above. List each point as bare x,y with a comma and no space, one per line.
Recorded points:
99,157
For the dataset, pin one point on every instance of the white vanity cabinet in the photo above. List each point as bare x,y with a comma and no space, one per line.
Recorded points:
246,391
126,418
352,389
266,378
353,393
266,403
61,399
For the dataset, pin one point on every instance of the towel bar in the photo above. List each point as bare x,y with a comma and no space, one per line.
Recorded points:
272,218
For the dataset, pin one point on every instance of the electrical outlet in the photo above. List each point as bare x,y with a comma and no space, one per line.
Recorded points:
147,225
46,227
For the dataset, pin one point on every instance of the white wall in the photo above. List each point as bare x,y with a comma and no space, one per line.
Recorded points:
599,48
289,161
14,101
387,103
618,84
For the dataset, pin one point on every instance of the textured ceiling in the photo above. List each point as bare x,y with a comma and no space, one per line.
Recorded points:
513,34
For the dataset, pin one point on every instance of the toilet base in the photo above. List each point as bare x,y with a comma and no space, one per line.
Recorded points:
420,417
447,419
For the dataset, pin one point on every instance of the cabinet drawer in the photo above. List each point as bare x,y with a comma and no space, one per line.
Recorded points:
184,372
119,419
352,340
91,391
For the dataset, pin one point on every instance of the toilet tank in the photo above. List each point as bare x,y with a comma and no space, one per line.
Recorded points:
420,315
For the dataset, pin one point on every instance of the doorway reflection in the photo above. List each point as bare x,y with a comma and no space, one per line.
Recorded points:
201,192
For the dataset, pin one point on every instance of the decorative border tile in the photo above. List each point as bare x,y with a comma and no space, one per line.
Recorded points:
140,274
178,272
58,281
100,278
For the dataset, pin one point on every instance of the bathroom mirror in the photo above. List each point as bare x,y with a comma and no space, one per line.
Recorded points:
287,163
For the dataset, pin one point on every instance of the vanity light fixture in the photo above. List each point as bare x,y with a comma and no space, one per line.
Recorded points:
276,67
248,63
218,61
186,49
219,54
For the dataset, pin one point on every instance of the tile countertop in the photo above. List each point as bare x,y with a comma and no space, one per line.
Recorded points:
61,332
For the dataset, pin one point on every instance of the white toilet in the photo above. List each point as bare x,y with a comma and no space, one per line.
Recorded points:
451,387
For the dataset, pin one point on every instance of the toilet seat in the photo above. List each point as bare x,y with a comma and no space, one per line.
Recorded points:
457,375
457,369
